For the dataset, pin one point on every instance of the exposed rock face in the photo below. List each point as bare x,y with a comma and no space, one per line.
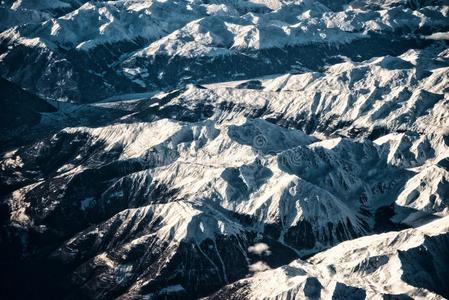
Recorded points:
402,264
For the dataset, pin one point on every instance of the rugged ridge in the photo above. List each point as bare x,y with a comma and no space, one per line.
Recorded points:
102,48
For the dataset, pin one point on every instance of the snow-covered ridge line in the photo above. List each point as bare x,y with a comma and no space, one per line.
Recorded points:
132,46
370,267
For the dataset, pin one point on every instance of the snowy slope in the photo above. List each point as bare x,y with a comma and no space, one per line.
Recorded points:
398,264
104,48
18,12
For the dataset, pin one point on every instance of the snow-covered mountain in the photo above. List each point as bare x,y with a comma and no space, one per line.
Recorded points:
103,48
398,265
225,149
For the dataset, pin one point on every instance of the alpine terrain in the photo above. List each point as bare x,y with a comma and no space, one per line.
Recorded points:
224,149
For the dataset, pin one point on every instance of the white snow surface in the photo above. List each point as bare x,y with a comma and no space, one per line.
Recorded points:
370,263
192,28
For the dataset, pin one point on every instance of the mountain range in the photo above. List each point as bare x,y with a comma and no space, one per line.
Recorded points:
224,149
